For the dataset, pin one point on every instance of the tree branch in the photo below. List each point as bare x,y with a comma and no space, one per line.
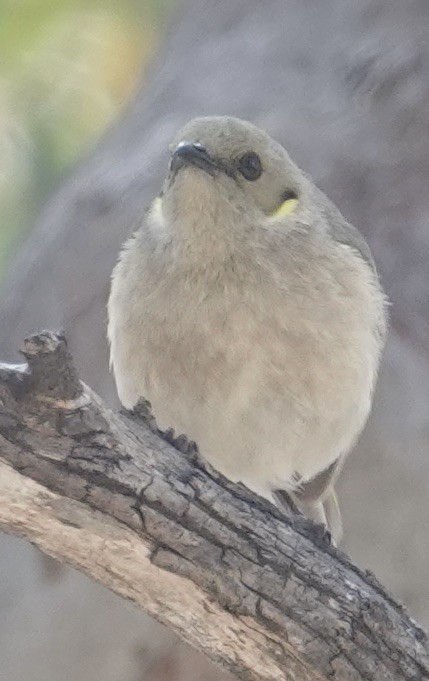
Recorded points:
259,592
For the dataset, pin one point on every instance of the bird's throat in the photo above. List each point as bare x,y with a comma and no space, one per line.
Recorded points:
202,221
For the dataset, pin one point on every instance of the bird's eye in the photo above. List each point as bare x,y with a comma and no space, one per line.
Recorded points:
250,166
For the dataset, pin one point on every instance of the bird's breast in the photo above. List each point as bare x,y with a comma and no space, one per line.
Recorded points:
280,366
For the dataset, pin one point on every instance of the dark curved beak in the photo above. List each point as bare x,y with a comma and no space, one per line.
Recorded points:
192,154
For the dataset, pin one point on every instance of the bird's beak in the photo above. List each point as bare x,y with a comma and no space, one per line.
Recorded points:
194,154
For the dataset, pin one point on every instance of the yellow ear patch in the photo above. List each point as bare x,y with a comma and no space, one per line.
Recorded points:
285,208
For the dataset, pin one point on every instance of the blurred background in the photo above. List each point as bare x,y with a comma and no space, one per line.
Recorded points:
90,96
67,69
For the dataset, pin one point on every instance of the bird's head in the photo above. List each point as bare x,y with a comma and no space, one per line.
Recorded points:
222,168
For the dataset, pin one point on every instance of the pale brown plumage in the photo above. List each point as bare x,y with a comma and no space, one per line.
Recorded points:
249,313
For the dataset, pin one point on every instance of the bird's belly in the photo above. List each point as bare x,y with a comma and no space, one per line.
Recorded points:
262,406
265,448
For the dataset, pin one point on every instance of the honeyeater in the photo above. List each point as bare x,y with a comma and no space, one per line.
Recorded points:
249,313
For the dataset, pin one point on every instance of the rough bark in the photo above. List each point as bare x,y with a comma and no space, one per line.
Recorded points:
259,592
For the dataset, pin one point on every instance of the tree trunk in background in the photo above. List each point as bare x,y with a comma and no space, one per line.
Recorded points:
344,86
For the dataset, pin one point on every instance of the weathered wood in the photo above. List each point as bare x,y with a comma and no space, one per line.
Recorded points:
261,593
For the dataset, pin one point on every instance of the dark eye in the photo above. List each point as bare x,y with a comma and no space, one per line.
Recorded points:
250,166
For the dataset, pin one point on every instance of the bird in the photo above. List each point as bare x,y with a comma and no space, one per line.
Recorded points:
250,314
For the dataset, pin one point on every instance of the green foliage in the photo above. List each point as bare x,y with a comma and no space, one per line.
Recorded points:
66,69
